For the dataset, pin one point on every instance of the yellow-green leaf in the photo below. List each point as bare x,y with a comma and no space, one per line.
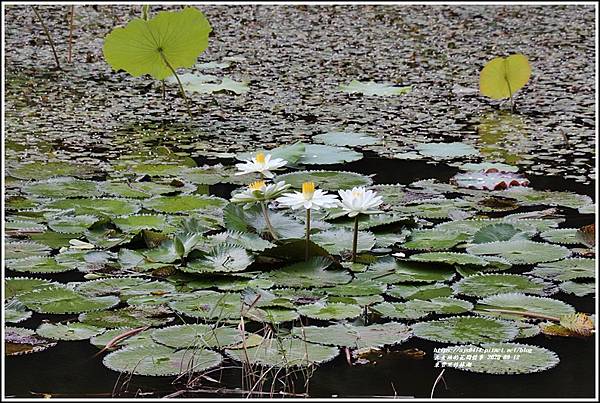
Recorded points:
502,77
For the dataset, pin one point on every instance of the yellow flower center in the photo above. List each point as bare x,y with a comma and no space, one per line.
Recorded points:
356,193
308,189
260,158
256,185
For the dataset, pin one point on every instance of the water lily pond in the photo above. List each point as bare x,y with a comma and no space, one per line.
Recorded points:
299,201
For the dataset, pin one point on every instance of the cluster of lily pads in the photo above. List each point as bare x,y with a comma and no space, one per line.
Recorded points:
162,274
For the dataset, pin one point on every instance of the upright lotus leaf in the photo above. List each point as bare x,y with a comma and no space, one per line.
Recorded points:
373,88
21,249
222,258
19,341
143,45
328,180
566,269
285,352
498,358
502,77
68,331
521,251
356,337
312,273
197,336
330,311
512,301
60,299
466,329
161,361
482,285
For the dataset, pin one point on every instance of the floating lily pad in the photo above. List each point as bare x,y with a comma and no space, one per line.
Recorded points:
499,358
357,288
19,341
434,239
355,337
63,188
52,239
514,301
246,240
567,236
390,271
330,311
208,305
346,139
125,287
446,150
161,361
495,232
131,316
466,329
336,241
521,251
68,331
489,180
184,203
483,285
533,197
197,336
37,264
426,291
15,311
449,258
14,286
312,273
328,180
285,352
373,88
64,300
416,308
222,258
142,338
567,269
577,288
320,154
98,207
136,223
272,315
72,224
39,170
22,249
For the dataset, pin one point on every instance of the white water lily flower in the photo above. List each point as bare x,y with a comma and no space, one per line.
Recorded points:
309,198
359,201
263,164
260,191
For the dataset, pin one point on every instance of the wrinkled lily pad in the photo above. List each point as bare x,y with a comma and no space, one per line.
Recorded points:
328,180
514,301
161,361
68,331
499,358
312,273
222,258
21,249
466,329
482,285
567,269
521,251
15,312
136,223
184,203
344,335
197,336
64,300
330,311
19,341
449,258
98,207
336,241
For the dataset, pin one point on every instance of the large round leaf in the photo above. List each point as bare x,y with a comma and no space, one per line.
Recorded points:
345,335
197,336
522,303
482,285
521,251
502,77
141,46
466,329
64,300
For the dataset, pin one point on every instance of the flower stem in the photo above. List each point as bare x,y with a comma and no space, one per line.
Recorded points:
267,220
355,239
307,234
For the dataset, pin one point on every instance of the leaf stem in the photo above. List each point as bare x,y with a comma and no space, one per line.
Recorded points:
355,239
185,98
69,55
307,234
48,36
265,212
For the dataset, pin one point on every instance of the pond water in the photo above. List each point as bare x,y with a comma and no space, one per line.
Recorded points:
106,135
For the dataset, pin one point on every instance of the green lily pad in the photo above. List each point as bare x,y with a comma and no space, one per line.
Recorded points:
222,258
416,308
14,286
39,170
346,139
72,224
566,269
97,207
466,329
125,287
425,291
308,274
577,288
197,336
446,150
330,311
336,241
20,341
355,337
246,240
142,338
208,305
202,84
449,258
391,271
15,311
495,232
498,358
521,251
483,285
514,301
534,197
161,361
22,249
52,239
59,299
320,154
63,187
356,288
142,46
184,203
272,315
328,180
136,223
285,352
68,331
37,264
373,88
434,239
566,236
131,316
